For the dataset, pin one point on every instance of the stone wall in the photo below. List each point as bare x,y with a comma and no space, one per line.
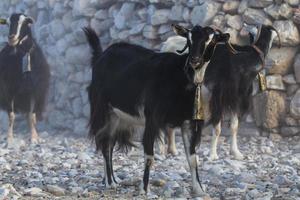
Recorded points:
147,22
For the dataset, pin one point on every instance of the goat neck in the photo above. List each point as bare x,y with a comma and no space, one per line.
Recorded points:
25,45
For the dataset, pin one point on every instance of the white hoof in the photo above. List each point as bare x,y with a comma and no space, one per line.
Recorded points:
237,155
198,192
35,140
141,189
213,157
10,142
173,151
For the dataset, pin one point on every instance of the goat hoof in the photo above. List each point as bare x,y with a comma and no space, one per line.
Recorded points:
238,156
141,189
213,157
34,140
198,192
173,152
10,142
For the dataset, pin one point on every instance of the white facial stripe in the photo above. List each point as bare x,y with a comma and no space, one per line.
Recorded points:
190,37
209,39
8,20
22,18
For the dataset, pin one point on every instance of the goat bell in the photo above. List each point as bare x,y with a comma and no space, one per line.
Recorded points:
3,21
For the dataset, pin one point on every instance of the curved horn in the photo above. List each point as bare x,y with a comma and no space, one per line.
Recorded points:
277,35
182,50
3,21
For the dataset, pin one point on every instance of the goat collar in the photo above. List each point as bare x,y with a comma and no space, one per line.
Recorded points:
261,55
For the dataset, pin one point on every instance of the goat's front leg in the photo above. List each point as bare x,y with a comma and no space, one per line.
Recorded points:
189,146
150,133
234,124
216,131
10,134
171,141
32,126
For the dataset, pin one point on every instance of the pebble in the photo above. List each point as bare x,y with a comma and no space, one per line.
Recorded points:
75,169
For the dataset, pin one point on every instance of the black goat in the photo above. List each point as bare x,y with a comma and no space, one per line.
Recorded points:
228,84
24,75
132,85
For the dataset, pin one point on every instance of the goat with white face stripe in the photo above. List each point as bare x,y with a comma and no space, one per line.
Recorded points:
19,28
24,75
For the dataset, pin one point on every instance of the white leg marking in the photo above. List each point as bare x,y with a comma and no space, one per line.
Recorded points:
10,134
192,159
234,123
160,144
32,124
171,141
214,142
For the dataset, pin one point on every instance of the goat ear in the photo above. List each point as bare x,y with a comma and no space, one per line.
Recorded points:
179,30
30,20
3,21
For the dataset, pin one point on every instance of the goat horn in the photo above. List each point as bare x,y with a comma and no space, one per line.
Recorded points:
182,50
3,21
277,35
231,48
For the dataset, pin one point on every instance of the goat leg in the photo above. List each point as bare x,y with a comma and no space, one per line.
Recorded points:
148,142
171,141
10,135
234,123
32,126
216,131
189,147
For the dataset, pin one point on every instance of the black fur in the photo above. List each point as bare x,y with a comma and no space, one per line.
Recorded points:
129,77
230,76
20,87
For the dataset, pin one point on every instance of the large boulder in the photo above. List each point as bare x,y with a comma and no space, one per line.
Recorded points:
274,82
279,60
295,105
297,68
160,16
269,109
288,32
123,15
203,14
254,16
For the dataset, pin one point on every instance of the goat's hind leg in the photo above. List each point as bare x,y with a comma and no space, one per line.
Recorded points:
10,134
189,147
171,141
214,141
31,118
234,123
150,133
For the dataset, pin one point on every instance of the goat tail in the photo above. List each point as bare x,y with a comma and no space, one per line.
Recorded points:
94,43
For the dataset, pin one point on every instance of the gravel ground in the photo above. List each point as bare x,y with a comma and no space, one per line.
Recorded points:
68,168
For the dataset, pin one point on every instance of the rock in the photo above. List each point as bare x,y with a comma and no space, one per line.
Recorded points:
275,137
253,16
243,6
260,3
289,79
234,21
273,11
57,29
160,17
186,14
101,14
3,193
293,2
83,8
150,32
35,192
219,21
202,15
55,190
275,82
269,109
295,105
289,131
123,15
78,55
176,13
285,11
291,90
246,177
231,6
279,60
297,68
288,32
